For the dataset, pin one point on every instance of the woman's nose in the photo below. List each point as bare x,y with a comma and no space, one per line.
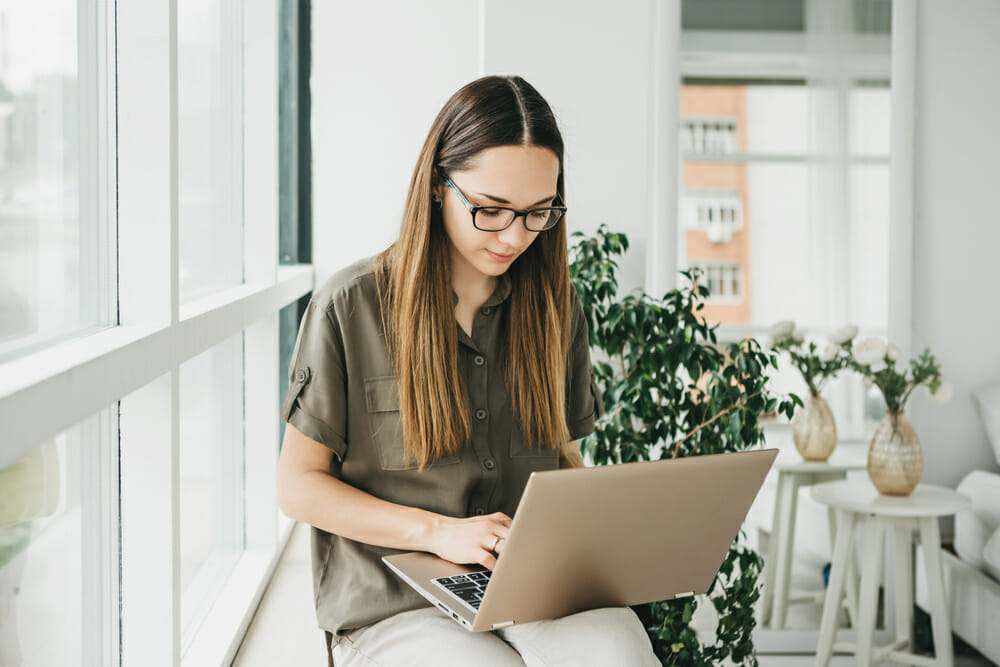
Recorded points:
516,235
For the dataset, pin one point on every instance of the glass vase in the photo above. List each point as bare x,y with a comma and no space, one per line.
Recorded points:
895,460
814,430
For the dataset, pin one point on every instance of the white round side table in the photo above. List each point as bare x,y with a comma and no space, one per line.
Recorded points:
857,502
793,475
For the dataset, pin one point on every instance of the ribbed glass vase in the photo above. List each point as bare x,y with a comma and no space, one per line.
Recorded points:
814,430
895,459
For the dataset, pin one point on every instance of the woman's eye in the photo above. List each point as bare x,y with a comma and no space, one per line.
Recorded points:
540,215
490,212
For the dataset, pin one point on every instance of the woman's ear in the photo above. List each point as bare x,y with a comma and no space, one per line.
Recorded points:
437,187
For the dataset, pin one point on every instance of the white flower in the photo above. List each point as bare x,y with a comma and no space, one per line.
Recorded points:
869,351
843,334
878,366
943,393
798,337
782,330
892,352
829,353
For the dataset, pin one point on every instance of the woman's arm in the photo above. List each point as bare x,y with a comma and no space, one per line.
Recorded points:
307,492
569,455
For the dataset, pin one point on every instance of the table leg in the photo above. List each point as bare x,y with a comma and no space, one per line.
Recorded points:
771,559
903,582
851,582
851,585
785,537
871,576
842,549
930,539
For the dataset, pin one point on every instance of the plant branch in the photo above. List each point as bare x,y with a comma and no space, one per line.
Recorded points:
740,403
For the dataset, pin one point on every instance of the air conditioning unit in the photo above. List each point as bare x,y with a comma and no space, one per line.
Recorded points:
718,232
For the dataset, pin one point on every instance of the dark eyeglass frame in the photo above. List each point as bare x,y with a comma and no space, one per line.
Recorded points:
522,214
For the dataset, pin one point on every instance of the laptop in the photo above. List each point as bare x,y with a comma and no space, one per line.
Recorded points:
607,536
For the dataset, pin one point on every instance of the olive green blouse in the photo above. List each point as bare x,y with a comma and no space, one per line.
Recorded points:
344,395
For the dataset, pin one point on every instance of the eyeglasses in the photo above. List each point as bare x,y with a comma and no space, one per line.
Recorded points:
498,218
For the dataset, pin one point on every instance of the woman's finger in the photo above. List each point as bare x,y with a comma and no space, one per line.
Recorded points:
502,518
487,560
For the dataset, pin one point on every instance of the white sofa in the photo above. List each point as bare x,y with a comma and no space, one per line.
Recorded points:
972,578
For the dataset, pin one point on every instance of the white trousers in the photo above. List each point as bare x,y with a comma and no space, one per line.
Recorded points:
607,636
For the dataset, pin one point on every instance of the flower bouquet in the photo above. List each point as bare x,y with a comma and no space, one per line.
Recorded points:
895,460
813,427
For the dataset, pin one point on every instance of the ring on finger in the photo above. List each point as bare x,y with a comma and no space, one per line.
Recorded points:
496,543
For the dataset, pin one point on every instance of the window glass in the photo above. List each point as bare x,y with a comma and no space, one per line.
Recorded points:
295,172
784,132
56,248
210,173
212,527
59,549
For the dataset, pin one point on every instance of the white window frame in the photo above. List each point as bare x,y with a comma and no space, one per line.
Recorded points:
750,55
136,364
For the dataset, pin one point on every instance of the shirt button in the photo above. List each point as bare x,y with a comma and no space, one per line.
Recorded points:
485,310
300,376
480,511
479,360
480,414
488,464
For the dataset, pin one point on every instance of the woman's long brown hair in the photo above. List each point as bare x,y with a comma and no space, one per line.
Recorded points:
415,290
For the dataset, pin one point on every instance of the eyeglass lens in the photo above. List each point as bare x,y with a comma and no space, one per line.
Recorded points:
496,218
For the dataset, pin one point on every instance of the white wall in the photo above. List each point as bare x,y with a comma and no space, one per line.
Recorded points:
956,234
591,61
382,70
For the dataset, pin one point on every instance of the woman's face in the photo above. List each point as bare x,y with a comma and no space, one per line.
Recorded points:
518,177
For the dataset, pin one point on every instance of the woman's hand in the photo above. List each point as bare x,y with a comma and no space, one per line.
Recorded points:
471,540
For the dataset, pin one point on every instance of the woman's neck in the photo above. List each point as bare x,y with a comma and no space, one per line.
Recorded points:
472,287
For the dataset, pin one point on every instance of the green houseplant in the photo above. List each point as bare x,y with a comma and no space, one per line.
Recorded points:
671,390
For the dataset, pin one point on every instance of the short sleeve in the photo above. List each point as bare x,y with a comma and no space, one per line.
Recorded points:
316,403
583,400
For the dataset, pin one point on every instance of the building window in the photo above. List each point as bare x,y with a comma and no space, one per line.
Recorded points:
708,136
724,281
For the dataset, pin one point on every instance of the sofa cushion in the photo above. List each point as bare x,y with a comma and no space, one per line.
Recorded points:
991,555
987,399
973,528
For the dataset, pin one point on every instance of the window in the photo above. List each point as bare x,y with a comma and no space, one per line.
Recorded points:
139,282
717,214
56,181
210,135
784,133
294,152
211,475
58,548
723,282
707,136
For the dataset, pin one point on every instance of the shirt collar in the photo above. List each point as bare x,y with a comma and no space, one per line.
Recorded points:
500,293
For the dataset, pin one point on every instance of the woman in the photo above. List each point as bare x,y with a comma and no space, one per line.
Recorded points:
429,382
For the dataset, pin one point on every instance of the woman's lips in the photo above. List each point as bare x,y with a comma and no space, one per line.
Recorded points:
500,258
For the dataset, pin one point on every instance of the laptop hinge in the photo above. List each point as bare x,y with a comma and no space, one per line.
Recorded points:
684,595
501,625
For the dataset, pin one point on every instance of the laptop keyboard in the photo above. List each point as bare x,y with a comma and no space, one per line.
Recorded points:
466,588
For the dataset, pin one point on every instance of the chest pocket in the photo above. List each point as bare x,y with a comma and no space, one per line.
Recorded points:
519,448
382,400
